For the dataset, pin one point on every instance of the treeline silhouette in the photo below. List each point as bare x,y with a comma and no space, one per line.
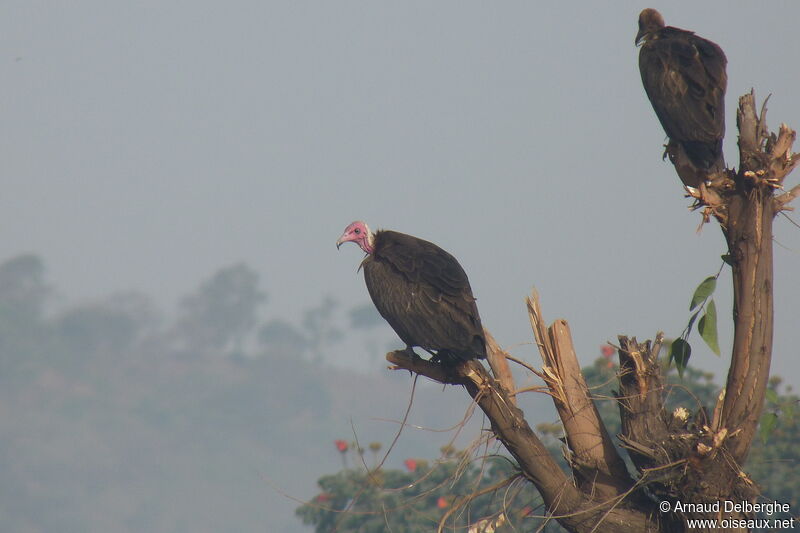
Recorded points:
116,418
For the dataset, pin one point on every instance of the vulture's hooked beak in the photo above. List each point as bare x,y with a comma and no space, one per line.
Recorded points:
338,243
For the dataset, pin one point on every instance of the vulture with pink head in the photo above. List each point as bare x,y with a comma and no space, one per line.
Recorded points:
684,78
421,291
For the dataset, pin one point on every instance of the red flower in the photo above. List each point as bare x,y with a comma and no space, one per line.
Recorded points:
411,464
341,445
441,503
323,497
607,351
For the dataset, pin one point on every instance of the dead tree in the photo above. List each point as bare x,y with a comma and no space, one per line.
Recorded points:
678,456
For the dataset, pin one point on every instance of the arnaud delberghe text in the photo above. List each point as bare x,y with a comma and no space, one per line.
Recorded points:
726,506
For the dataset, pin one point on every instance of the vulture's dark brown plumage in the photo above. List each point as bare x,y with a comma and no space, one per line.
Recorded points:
684,78
422,292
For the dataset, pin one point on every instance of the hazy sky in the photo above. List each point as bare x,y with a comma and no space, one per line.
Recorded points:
146,144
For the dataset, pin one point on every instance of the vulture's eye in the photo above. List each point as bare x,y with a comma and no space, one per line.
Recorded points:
357,231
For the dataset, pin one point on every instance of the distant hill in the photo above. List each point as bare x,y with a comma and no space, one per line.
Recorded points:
116,420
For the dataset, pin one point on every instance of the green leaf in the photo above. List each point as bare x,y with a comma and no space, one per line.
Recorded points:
767,426
680,352
772,396
708,326
703,291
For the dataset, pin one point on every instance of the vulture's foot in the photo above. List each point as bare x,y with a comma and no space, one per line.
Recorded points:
407,353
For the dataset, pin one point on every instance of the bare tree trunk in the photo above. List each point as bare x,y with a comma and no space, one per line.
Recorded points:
678,457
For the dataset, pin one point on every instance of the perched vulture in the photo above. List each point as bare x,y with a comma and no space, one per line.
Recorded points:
684,78
421,291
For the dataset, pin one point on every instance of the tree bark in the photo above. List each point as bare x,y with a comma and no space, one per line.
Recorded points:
764,163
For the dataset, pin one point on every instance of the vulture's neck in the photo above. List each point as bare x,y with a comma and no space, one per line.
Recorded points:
369,243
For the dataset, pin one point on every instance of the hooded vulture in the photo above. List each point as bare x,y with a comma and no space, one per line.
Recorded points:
684,78
421,291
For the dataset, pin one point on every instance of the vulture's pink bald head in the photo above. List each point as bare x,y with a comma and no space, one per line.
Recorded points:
359,233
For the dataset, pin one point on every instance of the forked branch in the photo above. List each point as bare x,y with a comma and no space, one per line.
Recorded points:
573,508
